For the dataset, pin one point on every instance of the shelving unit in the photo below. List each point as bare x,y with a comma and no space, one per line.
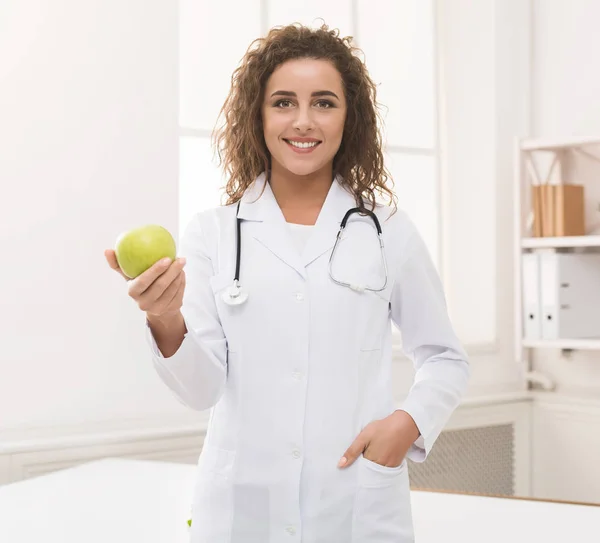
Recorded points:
561,242
564,344
526,174
553,145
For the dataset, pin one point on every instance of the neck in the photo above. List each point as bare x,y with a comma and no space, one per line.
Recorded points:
300,192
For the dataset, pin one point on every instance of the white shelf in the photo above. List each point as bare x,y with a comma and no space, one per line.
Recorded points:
553,145
566,241
586,145
589,344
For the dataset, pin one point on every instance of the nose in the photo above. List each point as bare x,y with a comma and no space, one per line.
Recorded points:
303,121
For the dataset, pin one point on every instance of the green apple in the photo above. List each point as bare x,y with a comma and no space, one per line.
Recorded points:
140,248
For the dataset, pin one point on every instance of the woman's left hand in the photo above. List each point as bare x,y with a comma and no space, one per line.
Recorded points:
384,441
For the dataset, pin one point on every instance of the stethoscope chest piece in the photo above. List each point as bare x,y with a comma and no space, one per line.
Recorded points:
234,295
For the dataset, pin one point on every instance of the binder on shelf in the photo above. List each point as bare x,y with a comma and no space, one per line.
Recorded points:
570,295
531,307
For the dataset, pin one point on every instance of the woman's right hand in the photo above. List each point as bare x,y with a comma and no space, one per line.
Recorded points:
159,290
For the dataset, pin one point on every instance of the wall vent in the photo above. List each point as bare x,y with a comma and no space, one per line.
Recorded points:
480,460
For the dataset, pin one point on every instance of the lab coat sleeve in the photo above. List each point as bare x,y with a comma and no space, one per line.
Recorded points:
196,373
418,309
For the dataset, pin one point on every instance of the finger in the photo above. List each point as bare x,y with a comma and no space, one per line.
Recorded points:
354,451
170,299
177,300
153,298
111,258
147,279
149,297
171,278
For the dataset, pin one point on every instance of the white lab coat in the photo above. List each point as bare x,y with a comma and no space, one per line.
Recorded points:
295,373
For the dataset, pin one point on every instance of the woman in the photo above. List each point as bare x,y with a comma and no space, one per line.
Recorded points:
305,442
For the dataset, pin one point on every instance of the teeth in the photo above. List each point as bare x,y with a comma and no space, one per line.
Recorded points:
301,145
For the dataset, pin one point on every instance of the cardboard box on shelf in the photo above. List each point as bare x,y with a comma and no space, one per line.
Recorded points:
558,210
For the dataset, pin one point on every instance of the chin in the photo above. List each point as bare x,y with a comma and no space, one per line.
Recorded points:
302,170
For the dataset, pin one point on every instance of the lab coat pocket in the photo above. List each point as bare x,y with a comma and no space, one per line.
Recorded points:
216,461
382,510
212,512
374,474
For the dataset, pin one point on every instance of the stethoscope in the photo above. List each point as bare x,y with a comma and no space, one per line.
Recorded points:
236,295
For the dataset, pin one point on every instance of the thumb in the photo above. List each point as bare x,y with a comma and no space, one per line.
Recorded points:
354,451
111,258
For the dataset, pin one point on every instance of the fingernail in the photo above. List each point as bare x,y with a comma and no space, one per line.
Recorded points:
165,261
182,260
342,461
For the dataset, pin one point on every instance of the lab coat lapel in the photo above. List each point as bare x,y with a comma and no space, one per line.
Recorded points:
338,201
259,206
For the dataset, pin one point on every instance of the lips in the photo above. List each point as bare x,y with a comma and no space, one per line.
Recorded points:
304,149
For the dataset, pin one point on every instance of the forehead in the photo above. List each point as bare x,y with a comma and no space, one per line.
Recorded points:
305,75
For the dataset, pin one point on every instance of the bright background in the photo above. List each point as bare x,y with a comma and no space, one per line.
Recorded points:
106,109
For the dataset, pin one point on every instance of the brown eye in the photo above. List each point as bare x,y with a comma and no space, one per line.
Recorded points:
325,104
280,102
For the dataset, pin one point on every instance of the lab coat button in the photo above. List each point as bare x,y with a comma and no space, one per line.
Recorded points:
291,530
299,296
296,453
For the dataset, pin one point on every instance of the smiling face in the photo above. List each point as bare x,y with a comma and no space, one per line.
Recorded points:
303,114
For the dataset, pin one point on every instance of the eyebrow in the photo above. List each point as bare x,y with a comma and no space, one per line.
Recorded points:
317,93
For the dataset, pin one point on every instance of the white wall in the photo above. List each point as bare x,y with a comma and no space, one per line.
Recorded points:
566,74
566,101
90,142
563,98
89,106
484,67
517,68
509,68
88,148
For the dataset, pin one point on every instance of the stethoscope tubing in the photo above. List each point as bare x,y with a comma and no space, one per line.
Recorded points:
235,295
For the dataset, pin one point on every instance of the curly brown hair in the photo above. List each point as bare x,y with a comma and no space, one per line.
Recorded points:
240,143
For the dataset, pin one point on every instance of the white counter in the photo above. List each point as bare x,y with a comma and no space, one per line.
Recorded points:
131,501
